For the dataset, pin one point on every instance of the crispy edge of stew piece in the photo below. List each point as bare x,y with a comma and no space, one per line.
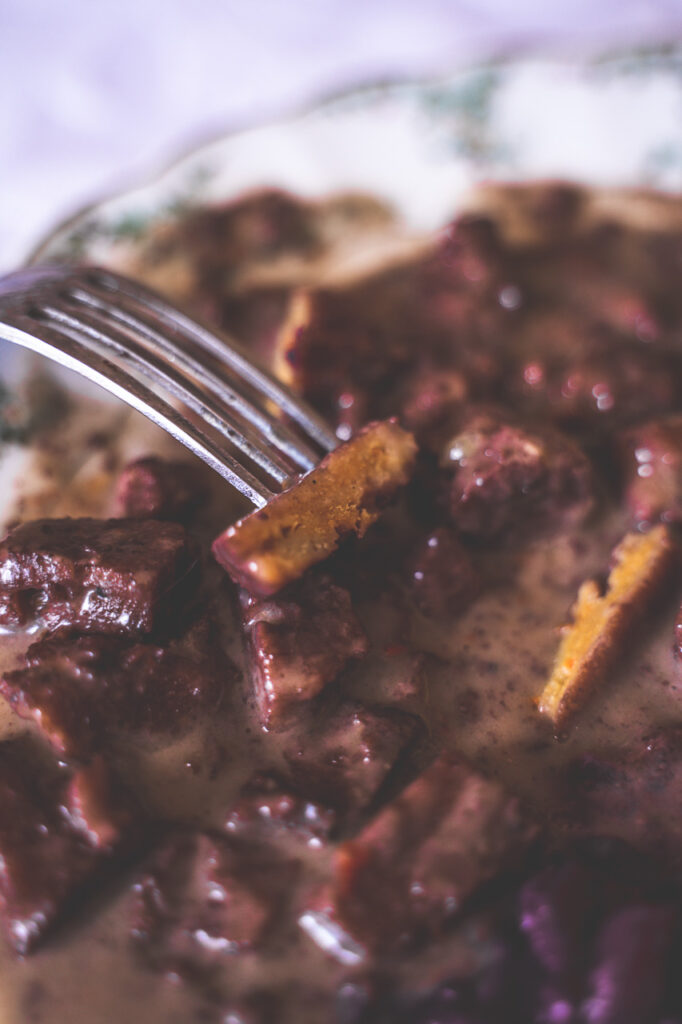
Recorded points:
601,623
305,524
344,761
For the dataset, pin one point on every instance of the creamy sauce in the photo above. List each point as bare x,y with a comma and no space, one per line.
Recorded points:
488,665
482,672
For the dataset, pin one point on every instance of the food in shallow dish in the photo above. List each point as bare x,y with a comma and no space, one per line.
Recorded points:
368,781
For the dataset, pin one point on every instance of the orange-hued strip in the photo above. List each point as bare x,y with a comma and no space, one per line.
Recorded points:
601,623
303,525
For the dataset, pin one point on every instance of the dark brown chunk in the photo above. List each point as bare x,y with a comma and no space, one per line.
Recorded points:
633,953
349,340
505,477
601,790
96,575
201,898
652,458
399,677
553,207
606,943
61,688
415,865
298,642
235,263
442,576
582,374
345,759
254,316
433,405
256,227
155,488
613,303
367,340
678,634
467,297
266,801
470,254
56,830
558,910
81,690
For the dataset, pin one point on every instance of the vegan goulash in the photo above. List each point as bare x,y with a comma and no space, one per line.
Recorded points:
405,747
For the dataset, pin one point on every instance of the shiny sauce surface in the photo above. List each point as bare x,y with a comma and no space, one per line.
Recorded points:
482,668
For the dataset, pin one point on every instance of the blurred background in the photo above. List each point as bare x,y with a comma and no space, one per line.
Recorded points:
98,93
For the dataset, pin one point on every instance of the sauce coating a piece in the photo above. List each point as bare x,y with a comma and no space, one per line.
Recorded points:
317,788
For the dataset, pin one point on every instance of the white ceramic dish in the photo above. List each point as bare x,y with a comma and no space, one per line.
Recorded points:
423,145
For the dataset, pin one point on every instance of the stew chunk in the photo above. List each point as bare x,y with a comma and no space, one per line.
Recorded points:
155,488
201,898
508,477
297,643
305,524
418,861
56,831
95,575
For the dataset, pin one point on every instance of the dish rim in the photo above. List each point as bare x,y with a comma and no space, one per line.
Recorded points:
503,57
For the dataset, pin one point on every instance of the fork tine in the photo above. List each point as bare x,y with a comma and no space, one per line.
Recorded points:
62,345
103,332
233,355
280,436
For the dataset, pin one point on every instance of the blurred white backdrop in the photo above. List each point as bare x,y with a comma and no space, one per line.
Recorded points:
96,93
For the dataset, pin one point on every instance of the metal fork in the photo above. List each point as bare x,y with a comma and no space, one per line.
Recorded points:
201,387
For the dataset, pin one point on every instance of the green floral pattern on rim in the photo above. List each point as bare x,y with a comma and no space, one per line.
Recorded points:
615,120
